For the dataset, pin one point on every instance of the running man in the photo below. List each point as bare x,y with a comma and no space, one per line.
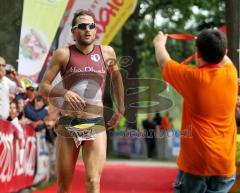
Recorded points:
83,67
207,158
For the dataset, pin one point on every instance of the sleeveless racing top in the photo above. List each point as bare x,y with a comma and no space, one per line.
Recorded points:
85,74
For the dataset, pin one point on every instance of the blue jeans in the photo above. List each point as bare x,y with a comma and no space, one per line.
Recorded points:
188,183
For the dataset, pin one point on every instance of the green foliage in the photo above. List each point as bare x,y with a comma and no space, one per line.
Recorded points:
169,16
10,27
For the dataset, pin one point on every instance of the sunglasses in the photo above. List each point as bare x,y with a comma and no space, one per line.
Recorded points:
83,26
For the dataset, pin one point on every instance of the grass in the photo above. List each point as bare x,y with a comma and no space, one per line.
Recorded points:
44,185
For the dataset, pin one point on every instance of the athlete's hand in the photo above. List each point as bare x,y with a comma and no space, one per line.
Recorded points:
114,120
160,39
76,102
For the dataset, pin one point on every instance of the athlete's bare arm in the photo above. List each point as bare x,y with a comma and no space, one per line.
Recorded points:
161,53
58,62
117,84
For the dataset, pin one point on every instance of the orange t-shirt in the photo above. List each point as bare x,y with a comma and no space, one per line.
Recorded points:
208,131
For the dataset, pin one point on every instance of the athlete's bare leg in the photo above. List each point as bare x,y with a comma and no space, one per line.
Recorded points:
67,155
94,158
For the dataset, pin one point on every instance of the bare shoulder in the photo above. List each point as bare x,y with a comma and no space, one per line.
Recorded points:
108,52
109,57
58,62
62,55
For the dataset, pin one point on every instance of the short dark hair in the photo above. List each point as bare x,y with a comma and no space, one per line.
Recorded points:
80,13
212,45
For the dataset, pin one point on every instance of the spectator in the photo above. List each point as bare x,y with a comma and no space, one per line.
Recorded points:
36,110
21,102
157,119
14,112
166,122
150,127
7,87
48,125
30,89
12,74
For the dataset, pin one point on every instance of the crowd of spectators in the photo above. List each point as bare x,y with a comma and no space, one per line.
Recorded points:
20,101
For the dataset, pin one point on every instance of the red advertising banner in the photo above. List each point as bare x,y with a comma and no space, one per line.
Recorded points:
17,157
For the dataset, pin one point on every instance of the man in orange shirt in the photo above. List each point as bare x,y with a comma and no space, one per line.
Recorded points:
207,157
166,123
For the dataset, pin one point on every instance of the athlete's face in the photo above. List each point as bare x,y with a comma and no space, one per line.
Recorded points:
84,31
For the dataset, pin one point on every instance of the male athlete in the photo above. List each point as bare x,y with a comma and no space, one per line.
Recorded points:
83,68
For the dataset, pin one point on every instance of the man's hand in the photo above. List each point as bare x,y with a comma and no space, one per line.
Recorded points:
15,78
160,39
114,120
159,43
74,100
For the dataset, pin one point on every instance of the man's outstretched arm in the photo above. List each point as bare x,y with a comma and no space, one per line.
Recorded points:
161,53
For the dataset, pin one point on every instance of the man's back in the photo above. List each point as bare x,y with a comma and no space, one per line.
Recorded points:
211,91
210,95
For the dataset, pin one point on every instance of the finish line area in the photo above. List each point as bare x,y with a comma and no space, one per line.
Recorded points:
127,176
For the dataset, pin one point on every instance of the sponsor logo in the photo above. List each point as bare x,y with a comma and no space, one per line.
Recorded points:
95,57
87,69
16,157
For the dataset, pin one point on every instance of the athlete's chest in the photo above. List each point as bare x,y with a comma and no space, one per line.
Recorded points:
92,62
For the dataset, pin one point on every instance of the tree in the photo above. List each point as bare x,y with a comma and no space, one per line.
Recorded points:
169,16
10,28
233,29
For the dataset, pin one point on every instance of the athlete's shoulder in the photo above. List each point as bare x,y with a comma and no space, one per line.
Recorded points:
62,51
109,57
107,50
61,54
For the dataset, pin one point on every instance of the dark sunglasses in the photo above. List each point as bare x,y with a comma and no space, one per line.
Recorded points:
83,26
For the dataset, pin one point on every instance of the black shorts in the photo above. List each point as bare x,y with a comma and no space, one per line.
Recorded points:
95,124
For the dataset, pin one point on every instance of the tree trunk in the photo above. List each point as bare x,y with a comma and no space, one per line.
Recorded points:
10,28
129,43
233,30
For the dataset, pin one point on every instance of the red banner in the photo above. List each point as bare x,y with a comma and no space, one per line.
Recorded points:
17,157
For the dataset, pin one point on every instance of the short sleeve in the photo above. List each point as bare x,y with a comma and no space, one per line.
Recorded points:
178,75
